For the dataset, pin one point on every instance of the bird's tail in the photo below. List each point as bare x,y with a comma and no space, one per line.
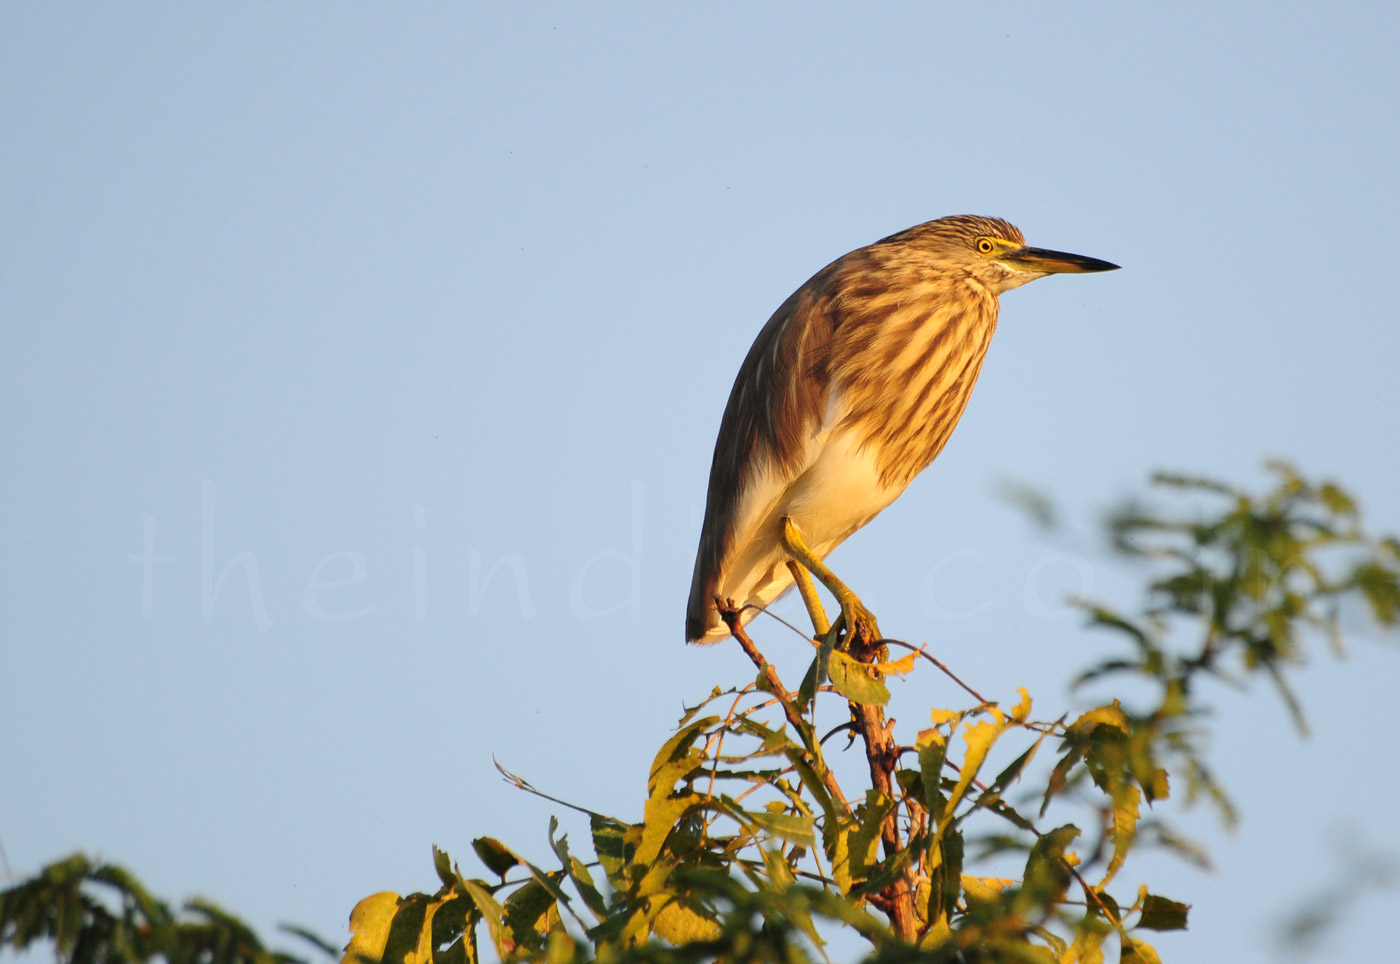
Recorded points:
702,620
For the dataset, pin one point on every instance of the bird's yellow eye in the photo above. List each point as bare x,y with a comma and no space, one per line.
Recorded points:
985,245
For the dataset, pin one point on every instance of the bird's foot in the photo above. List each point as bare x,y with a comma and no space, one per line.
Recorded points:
858,621
729,611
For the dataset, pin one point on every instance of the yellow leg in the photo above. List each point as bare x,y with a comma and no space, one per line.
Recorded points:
803,578
858,619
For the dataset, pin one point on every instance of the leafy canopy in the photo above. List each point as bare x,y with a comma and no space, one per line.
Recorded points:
991,832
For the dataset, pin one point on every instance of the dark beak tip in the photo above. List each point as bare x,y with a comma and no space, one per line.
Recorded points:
1063,261
1086,264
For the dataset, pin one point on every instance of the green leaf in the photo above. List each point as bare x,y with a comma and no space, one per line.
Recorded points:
682,923
1111,715
577,872
872,928
1381,587
1047,871
1056,945
583,882
864,841
674,758
1089,935
678,746
856,682
490,911
1161,914
442,863
1013,770
793,828
370,922
1032,501
884,873
409,939
1136,952
551,884
836,839
1107,619
451,921
312,938
1126,807
933,753
818,672
524,908
662,813
813,784
495,855
561,948
945,866
1336,500
979,738
609,843
780,878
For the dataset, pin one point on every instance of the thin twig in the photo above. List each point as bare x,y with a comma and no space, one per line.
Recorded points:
717,741
772,615
936,662
730,614
521,783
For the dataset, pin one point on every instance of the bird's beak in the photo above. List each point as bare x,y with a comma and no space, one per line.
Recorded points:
1042,261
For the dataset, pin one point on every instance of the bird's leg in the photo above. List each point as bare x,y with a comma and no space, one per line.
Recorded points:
858,620
803,578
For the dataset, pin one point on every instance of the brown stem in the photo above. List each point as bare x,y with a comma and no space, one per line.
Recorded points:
883,757
939,663
730,615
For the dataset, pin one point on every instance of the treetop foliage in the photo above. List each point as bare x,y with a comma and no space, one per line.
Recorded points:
991,831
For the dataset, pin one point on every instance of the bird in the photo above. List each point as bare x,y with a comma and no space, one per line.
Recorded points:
850,390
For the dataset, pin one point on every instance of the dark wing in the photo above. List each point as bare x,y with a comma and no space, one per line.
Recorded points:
778,398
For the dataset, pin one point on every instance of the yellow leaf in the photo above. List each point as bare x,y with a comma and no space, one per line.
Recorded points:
1136,952
495,855
1088,942
561,948
979,738
944,716
424,954
662,813
1126,807
491,911
899,667
1111,715
679,924
985,888
934,737
939,933
923,890
1022,712
369,928
839,851
864,843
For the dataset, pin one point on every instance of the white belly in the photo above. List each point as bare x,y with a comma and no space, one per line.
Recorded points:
839,492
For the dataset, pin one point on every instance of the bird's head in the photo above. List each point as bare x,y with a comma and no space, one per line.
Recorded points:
992,250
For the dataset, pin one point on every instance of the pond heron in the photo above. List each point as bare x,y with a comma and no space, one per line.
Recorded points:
852,388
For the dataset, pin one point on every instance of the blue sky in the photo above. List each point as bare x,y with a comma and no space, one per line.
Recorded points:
391,344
